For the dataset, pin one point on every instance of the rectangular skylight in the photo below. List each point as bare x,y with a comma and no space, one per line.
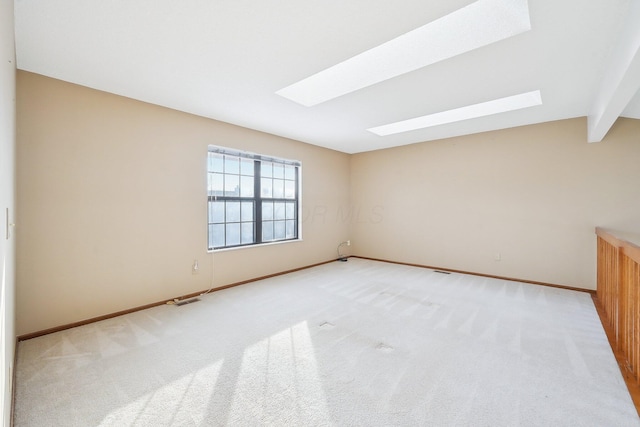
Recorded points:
476,25
510,103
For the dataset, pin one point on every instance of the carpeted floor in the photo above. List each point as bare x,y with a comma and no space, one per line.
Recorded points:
360,343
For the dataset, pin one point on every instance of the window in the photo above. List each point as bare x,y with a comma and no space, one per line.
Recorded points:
252,199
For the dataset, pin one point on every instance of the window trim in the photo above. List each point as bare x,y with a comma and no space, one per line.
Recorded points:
257,197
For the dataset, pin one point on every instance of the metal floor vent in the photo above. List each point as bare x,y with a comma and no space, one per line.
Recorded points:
441,272
187,301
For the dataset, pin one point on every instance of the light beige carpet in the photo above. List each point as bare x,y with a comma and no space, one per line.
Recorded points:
360,343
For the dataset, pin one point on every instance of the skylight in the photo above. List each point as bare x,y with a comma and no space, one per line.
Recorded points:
502,105
476,25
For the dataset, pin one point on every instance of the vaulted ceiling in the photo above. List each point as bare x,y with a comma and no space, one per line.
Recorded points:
238,61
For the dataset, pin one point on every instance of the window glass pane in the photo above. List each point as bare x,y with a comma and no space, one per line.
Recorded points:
216,184
279,230
233,211
291,229
267,210
279,210
289,189
247,211
247,232
216,235
266,169
267,231
290,172
216,211
265,185
215,162
278,170
235,203
246,186
278,188
231,164
246,167
231,185
233,234
291,210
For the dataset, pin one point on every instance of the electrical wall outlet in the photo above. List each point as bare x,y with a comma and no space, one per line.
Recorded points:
195,268
348,242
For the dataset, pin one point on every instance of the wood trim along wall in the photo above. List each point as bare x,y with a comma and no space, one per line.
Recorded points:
155,304
196,294
570,288
630,381
634,389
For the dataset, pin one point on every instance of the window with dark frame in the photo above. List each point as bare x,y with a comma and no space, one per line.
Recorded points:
252,198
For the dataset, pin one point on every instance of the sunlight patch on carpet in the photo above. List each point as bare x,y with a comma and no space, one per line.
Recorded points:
279,375
185,396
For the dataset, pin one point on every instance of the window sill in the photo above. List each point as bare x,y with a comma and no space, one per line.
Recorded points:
260,245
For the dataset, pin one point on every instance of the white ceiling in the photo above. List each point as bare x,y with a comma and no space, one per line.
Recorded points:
226,60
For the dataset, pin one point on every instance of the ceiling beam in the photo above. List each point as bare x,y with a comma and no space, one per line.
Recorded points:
621,79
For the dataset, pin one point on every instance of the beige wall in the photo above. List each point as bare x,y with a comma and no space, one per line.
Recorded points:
112,209
7,197
532,194
111,196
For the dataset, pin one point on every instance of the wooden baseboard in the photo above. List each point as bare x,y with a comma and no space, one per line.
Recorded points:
634,388
629,379
36,334
195,294
570,288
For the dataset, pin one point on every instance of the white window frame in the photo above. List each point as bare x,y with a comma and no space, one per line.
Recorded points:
252,199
